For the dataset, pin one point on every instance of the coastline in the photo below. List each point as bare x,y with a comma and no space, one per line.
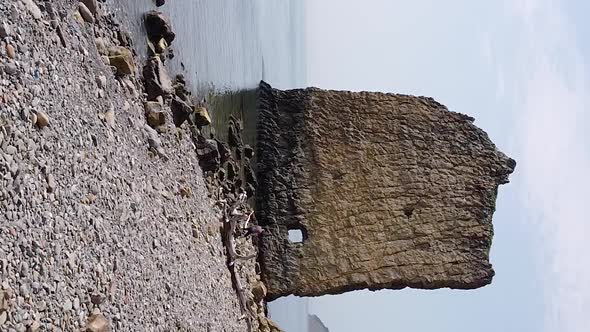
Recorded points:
96,227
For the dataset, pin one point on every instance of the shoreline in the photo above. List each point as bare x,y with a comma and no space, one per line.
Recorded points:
95,228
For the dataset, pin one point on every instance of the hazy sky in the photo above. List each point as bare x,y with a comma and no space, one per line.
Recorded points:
519,67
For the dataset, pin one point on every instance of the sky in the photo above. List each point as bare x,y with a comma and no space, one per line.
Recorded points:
520,68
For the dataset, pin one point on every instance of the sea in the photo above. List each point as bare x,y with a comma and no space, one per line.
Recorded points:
224,48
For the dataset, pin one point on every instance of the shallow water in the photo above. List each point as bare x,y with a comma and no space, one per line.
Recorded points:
224,48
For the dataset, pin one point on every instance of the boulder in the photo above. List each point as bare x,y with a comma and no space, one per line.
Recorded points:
156,80
180,111
201,116
122,59
158,26
154,114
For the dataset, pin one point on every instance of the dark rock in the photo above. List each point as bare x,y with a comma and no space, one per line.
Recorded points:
160,3
234,138
208,154
5,30
231,171
156,80
91,5
158,26
221,174
248,152
224,151
180,111
250,190
85,12
201,116
249,175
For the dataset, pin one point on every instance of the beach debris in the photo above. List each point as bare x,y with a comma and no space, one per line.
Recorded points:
160,3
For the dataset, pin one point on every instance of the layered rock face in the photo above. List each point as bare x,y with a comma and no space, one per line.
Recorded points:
387,190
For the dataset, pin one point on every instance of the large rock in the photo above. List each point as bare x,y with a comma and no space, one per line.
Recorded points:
121,58
158,26
386,190
156,79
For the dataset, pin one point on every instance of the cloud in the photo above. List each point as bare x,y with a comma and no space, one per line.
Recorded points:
555,157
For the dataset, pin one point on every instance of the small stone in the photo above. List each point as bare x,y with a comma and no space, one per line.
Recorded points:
67,305
10,68
202,117
259,291
3,317
109,118
34,327
101,46
10,51
33,9
101,81
185,191
42,120
51,183
85,12
160,3
122,59
248,151
11,149
96,298
97,323
91,5
5,30
161,46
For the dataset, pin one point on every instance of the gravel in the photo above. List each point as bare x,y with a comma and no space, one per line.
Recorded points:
93,223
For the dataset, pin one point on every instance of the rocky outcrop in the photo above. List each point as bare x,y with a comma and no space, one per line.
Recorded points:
387,190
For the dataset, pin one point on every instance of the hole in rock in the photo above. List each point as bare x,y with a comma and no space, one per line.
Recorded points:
295,236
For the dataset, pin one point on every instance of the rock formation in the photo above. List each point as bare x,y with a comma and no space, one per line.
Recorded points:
387,190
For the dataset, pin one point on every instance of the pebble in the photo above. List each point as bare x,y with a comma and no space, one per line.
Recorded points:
101,81
33,9
42,120
10,68
85,12
11,149
5,30
10,51
91,5
51,183
67,305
